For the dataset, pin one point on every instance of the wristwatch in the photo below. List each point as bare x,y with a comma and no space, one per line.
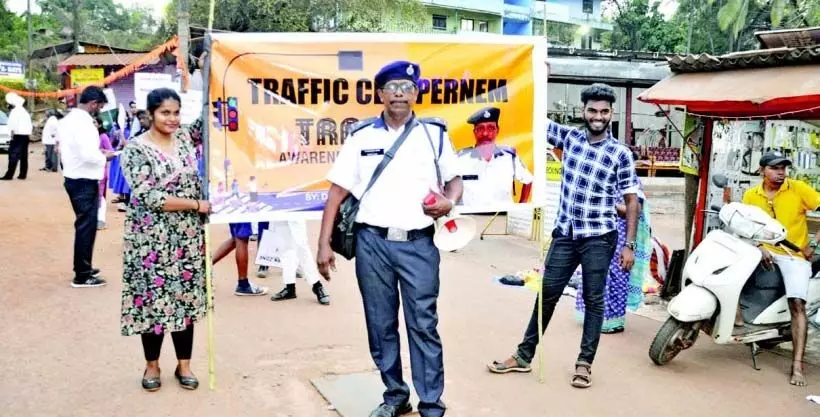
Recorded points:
630,245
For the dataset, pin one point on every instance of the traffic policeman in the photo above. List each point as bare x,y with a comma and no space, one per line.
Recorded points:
490,170
394,246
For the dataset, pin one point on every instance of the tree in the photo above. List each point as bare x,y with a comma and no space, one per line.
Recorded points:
305,15
640,26
103,21
734,15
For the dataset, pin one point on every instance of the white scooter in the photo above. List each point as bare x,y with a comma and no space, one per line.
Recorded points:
724,272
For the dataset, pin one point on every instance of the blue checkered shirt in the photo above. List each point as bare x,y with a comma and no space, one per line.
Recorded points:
593,178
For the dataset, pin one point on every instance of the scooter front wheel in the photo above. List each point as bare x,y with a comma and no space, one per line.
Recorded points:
672,338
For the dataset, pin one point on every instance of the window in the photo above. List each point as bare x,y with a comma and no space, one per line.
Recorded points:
483,26
587,6
597,35
467,24
439,22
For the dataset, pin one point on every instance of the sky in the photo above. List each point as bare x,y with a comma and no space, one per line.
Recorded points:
19,6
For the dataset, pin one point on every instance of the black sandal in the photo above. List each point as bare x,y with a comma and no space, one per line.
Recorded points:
580,380
151,384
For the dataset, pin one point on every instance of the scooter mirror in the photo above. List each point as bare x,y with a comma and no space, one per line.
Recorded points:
720,180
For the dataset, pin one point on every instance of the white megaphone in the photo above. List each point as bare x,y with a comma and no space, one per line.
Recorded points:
453,231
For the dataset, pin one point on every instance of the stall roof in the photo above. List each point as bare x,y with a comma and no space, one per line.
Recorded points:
755,92
101,60
782,79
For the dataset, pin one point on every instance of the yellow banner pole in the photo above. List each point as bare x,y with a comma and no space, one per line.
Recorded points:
209,284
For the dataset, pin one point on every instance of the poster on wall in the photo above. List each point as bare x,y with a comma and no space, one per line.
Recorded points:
692,145
85,76
282,106
144,82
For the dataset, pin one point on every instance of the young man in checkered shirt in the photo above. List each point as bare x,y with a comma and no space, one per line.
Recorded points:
596,170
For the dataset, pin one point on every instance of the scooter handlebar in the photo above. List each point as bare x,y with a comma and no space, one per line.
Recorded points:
790,246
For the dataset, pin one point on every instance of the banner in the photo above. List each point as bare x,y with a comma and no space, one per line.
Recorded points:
11,70
85,76
692,145
282,106
145,82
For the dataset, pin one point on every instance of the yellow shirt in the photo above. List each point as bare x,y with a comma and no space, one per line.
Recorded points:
789,207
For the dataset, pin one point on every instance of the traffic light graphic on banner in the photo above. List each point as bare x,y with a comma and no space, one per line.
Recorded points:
218,115
233,115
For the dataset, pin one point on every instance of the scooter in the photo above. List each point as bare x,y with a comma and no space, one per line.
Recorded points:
724,272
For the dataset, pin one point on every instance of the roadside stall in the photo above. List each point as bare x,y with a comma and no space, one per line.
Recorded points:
739,106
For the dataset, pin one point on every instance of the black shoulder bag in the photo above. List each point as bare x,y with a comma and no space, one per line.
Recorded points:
343,238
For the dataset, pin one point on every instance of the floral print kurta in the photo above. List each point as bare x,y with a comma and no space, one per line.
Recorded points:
163,284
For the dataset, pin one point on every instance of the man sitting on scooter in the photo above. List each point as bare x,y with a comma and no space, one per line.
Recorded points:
788,200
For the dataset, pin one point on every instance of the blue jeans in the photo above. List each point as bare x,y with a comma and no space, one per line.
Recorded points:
594,255
381,268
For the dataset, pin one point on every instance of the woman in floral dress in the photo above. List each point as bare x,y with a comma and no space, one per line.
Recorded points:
163,287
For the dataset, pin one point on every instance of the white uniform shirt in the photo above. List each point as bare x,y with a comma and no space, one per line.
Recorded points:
396,198
50,131
80,146
20,121
490,183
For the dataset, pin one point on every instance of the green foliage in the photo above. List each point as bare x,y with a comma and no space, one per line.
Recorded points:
304,15
736,15
104,22
640,26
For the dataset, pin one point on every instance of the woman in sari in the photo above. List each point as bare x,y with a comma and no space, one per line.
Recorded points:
624,289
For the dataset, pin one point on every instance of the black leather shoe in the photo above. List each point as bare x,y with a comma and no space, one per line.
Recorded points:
289,293
387,410
151,384
187,382
321,294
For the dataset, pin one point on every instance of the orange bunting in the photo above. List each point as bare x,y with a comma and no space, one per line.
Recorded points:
121,73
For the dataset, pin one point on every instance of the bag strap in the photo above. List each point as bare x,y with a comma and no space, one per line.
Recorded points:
390,154
435,160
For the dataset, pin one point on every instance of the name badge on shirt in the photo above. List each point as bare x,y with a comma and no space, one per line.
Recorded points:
469,177
371,152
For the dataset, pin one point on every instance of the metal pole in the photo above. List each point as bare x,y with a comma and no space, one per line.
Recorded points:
29,77
184,35
206,142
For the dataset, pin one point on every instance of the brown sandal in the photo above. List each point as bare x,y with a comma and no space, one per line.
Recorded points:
580,380
520,366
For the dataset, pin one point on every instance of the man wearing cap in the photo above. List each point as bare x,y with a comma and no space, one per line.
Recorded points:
787,200
20,127
488,169
394,248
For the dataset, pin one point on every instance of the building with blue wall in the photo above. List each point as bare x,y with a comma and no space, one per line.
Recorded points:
574,23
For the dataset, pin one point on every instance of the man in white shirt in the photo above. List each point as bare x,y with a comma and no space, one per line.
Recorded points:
395,253
20,128
83,168
50,140
489,170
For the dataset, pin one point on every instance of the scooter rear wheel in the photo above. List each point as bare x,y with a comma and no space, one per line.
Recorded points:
672,338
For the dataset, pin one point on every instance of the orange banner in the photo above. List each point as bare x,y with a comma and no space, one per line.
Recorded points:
287,103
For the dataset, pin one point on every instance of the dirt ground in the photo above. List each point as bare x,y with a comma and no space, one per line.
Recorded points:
61,353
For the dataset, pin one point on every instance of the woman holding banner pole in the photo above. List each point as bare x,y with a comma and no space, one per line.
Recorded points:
163,250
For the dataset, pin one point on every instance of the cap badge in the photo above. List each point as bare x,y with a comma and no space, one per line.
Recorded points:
410,70
486,114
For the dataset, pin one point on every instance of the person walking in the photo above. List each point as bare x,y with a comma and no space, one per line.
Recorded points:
395,254
20,127
163,282
83,166
597,169
50,140
108,149
297,260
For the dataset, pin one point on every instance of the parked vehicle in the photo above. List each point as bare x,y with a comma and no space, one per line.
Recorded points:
5,133
724,272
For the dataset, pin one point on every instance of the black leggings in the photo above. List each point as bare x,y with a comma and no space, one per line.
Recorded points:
183,343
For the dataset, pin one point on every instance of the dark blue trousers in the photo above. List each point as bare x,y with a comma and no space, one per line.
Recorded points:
382,268
565,254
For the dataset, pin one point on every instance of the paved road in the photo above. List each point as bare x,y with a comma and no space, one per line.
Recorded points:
62,354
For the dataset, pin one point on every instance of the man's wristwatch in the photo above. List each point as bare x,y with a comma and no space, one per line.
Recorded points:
630,245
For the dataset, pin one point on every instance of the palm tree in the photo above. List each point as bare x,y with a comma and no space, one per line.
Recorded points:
734,14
